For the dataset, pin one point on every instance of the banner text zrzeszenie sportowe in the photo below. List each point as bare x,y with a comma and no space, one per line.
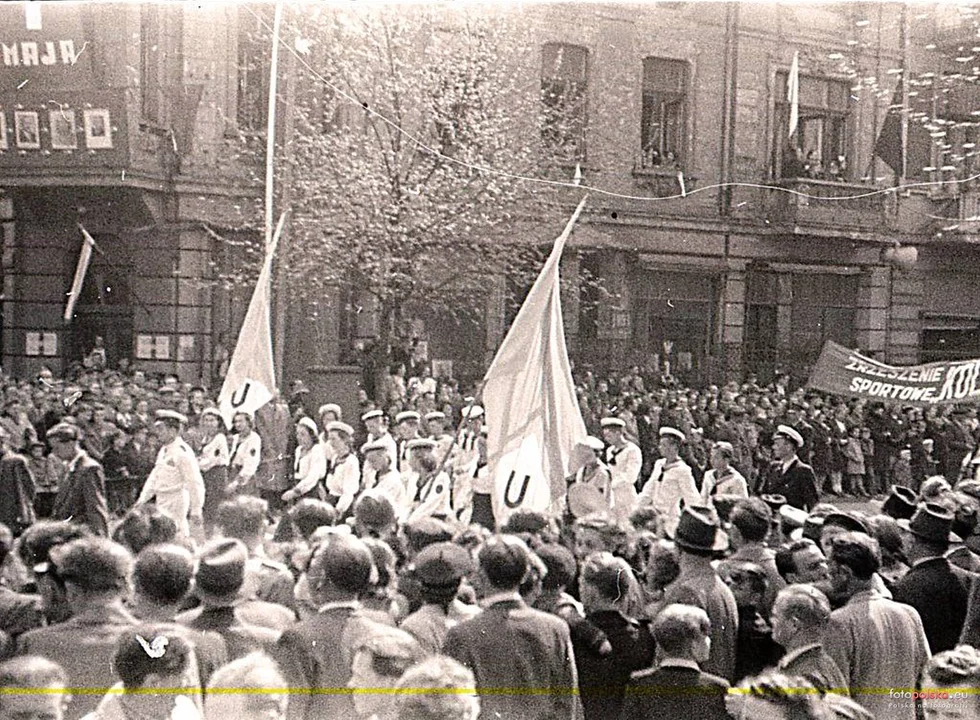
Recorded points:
845,372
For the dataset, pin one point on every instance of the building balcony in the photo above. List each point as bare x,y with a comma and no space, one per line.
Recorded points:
811,206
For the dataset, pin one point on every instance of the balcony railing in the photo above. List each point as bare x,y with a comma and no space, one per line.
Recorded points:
828,203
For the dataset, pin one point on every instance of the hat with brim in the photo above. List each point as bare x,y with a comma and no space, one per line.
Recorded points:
340,427
421,444
593,443
584,499
775,502
846,521
673,433
932,522
471,412
171,417
63,432
900,503
612,422
698,529
220,576
331,408
812,527
792,518
788,433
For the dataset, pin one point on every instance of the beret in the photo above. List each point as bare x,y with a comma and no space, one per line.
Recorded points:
435,415
63,431
472,412
421,444
341,427
407,415
329,407
309,425
371,414
171,417
790,434
373,445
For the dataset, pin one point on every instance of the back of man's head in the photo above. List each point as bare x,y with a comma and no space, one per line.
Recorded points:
93,565
752,517
505,561
144,526
309,514
343,564
453,695
804,603
857,551
163,573
243,517
677,628
39,538
32,687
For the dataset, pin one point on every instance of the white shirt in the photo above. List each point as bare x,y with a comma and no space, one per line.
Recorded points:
176,469
624,462
391,486
368,472
344,480
214,454
669,486
732,483
309,467
431,497
246,454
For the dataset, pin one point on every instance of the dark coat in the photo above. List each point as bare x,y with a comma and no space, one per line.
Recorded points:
510,645
81,496
16,493
672,692
602,677
241,638
940,591
798,484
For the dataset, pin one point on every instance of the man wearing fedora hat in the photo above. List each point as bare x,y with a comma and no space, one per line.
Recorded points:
935,587
789,476
698,538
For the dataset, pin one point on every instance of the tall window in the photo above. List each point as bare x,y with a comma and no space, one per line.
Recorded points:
564,81
254,59
821,147
663,117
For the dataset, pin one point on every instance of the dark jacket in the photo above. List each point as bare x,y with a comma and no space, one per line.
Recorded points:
510,645
815,665
673,692
940,591
798,484
16,493
81,496
602,677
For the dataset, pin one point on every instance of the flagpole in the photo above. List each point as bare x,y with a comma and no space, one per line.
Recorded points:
270,133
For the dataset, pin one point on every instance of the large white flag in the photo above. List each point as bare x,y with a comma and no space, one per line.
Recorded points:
793,93
533,419
81,269
251,379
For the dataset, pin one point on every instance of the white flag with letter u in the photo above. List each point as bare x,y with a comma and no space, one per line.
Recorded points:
533,418
251,379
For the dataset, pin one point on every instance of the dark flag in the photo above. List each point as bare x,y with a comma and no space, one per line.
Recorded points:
907,160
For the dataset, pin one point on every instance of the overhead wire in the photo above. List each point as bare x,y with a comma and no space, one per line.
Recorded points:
684,194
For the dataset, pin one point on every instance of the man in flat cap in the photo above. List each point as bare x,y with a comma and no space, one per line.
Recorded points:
175,480
671,485
81,495
789,476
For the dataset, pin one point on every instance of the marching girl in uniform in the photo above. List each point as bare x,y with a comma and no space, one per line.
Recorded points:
431,489
213,460
343,480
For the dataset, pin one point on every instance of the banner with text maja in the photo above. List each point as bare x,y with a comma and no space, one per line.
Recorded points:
251,379
533,418
846,372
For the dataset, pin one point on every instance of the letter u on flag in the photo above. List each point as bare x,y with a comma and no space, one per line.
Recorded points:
533,419
251,379
84,258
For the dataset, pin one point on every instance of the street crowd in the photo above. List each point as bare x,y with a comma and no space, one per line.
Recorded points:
706,560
